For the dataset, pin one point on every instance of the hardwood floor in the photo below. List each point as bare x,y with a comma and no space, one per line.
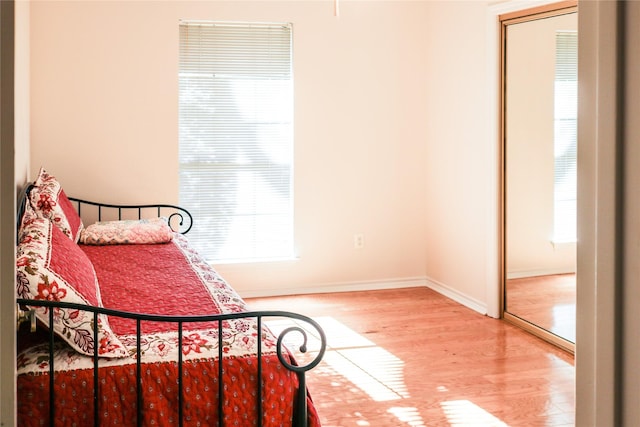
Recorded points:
412,357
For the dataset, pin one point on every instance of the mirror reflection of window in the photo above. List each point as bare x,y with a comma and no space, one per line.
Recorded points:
565,136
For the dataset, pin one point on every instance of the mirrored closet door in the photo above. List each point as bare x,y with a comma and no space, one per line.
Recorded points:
539,153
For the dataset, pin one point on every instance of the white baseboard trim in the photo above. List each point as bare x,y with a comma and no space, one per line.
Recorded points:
457,296
532,273
411,282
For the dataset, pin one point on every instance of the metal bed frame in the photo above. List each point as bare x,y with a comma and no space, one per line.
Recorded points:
184,221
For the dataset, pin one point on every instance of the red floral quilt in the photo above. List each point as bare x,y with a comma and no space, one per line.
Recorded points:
166,279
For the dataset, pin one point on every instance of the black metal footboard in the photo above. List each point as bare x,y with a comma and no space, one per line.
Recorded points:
300,404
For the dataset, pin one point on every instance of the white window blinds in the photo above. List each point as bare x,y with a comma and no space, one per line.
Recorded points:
565,138
236,139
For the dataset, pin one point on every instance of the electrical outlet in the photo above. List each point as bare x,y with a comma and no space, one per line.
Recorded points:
358,241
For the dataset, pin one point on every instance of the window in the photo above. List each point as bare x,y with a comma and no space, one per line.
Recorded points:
565,136
236,139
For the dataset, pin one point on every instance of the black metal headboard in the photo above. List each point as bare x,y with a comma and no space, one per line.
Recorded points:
180,219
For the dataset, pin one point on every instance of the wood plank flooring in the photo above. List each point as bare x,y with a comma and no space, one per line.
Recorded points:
412,357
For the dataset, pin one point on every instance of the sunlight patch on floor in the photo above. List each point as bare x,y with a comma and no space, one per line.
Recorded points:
409,416
463,413
381,379
368,366
380,374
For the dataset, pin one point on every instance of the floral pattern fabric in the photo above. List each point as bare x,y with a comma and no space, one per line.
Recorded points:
53,268
127,232
49,200
200,383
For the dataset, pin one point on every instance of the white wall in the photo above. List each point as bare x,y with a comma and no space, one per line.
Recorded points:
461,157
104,121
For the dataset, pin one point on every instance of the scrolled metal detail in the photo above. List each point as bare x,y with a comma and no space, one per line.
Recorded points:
302,348
180,219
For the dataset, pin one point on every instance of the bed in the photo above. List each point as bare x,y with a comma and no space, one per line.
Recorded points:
123,323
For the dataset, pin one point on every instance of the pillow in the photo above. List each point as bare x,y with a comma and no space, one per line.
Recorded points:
50,201
52,267
142,231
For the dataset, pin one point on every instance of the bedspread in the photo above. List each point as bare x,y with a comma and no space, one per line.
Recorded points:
148,279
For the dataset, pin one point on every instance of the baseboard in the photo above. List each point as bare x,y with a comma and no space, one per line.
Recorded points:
412,282
533,273
457,296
